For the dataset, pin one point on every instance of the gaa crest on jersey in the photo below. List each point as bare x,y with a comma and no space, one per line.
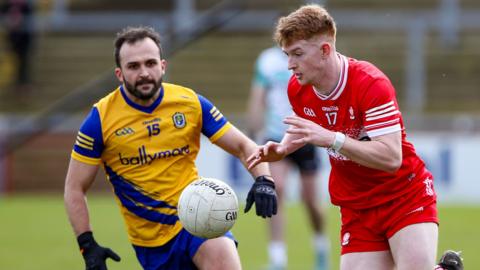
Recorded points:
346,239
179,120
352,113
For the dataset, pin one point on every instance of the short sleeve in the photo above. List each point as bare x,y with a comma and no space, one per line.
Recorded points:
214,124
381,112
89,142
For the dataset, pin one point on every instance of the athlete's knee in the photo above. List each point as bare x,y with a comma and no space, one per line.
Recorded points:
223,260
421,260
217,254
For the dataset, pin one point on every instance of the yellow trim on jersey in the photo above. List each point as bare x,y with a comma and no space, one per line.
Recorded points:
84,159
220,116
84,141
85,137
83,144
220,132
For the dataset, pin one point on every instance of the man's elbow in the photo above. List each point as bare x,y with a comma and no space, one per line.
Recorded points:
393,164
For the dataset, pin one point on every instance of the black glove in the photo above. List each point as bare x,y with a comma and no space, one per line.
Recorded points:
93,254
263,194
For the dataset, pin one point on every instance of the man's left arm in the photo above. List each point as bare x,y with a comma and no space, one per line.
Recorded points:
383,152
262,191
239,145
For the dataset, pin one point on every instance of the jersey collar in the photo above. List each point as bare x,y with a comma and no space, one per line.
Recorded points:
342,81
146,109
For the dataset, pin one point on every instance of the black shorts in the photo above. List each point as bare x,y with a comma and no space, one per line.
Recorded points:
306,158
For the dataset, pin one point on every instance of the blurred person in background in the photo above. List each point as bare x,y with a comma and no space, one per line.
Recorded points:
17,17
146,134
267,107
385,193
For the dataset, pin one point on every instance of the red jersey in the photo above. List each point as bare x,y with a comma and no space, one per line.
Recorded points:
363,105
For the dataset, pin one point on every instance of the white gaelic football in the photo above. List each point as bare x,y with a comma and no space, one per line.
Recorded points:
208,208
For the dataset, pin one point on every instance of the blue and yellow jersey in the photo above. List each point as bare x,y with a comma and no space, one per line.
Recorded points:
148,154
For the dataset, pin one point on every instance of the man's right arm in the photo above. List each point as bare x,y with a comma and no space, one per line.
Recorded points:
80,177
273,151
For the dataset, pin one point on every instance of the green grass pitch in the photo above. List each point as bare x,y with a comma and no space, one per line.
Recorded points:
35,234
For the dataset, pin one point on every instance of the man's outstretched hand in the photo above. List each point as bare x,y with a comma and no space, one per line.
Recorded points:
271,151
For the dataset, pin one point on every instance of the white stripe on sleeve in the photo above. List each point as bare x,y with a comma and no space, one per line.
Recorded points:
391,108
383,131
379,107
382,116
386,123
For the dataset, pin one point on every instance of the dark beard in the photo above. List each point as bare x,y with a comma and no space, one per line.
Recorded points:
137,93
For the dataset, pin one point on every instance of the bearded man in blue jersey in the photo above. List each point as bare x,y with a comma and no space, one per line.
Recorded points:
146,135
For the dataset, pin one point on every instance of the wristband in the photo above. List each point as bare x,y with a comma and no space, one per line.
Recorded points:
264,177
85,241
338,142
